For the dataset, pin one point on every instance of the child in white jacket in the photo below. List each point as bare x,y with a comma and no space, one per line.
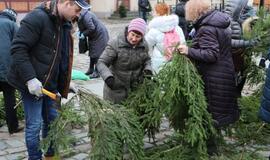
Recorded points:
163,35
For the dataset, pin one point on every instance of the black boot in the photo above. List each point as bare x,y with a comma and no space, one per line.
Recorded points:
95,74
212,148
89,71
91,67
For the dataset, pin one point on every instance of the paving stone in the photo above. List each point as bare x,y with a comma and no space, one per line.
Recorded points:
2,146
83,148
15,143
80,156
2,153
3,158
20,156
86,139
81,135
148,145
16,150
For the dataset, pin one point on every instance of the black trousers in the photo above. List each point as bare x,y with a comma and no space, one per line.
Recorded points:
93,62
9,102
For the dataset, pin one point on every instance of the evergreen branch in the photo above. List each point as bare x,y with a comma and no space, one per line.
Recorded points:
111,128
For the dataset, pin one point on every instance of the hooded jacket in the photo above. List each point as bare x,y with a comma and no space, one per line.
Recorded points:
126,63
8,29
157,27
211,52
97,34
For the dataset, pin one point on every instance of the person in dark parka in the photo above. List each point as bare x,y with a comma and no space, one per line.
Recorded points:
180,12
92,28
8,29
144,7
211,53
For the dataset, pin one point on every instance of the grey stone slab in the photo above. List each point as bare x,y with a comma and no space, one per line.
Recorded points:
80,156
3,158
16,150
2,146
86,139
83,148
3,153
81,135
20,156
4,129
15,143
148,145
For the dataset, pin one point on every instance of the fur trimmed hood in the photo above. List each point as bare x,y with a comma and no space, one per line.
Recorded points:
164,23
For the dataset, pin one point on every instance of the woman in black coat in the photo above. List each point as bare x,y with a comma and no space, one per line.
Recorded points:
211,53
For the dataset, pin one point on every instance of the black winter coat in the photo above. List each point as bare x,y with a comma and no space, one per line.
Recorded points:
144,5
94,29
180,12
36,51
211,51
8,29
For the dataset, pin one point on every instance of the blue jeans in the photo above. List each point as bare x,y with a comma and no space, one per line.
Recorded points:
38,115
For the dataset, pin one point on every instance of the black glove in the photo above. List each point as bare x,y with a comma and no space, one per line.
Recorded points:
262,63
147,74
255,41
110,82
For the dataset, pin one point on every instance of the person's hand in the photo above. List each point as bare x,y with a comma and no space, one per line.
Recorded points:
34,87
182,49
110,81
147,74
255,41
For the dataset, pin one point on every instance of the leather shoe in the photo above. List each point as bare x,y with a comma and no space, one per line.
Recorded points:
95,74
89,71
16,130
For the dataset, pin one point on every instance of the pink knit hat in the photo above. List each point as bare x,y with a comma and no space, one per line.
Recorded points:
137,24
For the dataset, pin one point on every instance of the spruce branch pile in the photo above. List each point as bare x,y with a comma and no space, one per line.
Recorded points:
59,129
145,100
250,130
114,130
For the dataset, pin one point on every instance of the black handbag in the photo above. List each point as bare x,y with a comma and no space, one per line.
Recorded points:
83,45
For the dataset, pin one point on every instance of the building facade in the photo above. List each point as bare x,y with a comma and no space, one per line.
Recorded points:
104,8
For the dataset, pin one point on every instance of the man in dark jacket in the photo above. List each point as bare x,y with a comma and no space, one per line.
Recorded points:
92,28
42,54
8,28
144,8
